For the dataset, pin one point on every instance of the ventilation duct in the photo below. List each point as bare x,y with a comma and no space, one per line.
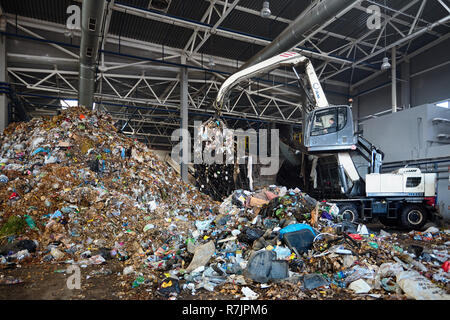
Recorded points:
91,28
293,34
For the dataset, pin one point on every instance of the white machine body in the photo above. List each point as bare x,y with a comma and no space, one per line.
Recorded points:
410,182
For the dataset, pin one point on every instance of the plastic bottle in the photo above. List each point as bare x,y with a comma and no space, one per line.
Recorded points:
139,280
30,222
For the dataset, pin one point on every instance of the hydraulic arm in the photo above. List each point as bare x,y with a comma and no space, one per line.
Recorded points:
326,129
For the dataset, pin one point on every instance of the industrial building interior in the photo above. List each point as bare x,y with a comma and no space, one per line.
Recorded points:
155,66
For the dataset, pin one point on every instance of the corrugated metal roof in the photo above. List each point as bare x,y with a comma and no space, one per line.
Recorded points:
252,24
47,10
353,24
148,30
135,3
288,9
192,9
232,49
434,11
418,43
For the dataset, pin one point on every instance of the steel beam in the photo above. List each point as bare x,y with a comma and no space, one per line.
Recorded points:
394,79
409,56
190,24
185,152
3,78
394,44
152,47
106,30
293,34
406,85
216,25
419,13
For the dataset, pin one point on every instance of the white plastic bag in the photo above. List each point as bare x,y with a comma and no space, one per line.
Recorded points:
359,286
201,256
389,269
362,229
418,287
249,294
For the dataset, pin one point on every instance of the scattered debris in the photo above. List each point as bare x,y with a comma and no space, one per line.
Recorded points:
74,191
359,286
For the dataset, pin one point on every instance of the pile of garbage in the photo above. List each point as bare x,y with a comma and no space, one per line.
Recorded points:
73,191
286,245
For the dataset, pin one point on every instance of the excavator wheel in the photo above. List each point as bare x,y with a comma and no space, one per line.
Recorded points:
413,217
349,212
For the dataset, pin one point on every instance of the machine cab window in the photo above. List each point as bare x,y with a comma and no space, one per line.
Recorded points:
329,120
413,182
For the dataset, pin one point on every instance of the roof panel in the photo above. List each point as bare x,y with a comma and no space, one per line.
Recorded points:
288,9
229,48
352,24
192,9
149,30
252,24
47,10
135,3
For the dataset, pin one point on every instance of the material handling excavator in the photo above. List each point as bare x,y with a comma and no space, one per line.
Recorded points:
405,197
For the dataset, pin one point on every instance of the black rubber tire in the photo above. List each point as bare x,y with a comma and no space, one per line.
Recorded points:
413,217
349,209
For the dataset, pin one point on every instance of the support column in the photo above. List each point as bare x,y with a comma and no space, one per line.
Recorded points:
3,78
406,85
355,109
185,152
394,79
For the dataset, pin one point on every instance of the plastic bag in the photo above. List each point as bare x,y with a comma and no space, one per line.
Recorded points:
249,294
263,267
202,255
418,287
313,281
389,269
357,273
359,286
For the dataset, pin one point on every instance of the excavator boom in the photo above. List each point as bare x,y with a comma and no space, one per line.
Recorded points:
327,129
285,59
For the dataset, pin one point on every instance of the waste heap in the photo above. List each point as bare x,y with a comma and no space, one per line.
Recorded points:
74,191
287,245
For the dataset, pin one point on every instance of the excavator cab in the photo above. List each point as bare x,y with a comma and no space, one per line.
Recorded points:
329,129
325,128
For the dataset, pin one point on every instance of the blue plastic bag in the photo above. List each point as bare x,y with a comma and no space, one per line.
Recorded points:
296,227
